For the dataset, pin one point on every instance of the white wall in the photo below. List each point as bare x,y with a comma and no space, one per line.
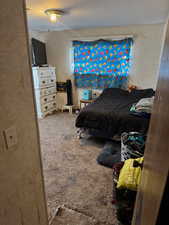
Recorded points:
146,52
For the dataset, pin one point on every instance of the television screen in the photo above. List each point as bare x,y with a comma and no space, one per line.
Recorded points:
38,53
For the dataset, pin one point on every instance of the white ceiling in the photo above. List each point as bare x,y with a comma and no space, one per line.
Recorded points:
96,13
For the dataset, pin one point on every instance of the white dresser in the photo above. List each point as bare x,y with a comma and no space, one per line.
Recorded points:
45,90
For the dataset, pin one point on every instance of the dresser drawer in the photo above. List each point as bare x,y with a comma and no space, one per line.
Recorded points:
52,97
45,81
45,90
48,98
48,106
46,73
44,77
48,91
52,80
43,73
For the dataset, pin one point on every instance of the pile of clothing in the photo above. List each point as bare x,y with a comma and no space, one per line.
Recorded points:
132,145
127,175
143,108
126,178
126,159
110,155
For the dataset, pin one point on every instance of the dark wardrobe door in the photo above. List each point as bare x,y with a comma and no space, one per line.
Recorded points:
156,165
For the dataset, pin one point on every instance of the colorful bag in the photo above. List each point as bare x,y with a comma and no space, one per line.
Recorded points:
123,199
130,175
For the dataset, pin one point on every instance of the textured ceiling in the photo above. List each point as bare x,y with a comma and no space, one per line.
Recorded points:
96,13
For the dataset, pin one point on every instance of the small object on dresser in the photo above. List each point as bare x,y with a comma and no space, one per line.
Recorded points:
87,95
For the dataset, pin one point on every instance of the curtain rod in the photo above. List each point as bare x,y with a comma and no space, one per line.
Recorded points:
108,37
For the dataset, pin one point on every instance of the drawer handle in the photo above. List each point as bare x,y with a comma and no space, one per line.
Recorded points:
43,82
46,107
45,99
54,103
54,96
52,80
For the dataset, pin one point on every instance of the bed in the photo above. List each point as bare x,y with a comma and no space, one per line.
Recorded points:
110,115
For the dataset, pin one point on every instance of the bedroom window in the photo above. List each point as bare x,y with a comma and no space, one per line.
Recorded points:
102,64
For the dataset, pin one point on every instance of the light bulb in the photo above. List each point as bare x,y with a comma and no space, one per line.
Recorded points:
53,17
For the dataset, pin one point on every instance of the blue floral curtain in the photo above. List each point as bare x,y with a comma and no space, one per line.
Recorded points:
102,64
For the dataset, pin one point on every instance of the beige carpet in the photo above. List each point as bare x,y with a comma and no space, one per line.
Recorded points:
72,176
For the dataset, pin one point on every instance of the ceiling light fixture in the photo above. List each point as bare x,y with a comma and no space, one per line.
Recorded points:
54,14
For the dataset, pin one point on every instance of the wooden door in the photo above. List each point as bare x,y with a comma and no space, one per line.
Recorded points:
156,165
21,181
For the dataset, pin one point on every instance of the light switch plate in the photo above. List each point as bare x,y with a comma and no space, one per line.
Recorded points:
10,135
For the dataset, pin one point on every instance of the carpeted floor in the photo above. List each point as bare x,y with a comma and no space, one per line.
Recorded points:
72,176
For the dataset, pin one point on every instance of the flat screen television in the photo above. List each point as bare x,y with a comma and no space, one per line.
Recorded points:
39,57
